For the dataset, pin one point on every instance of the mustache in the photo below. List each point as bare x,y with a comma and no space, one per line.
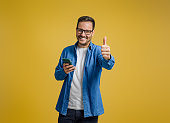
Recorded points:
82,37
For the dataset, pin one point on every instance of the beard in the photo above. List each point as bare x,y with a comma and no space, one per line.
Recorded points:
83,40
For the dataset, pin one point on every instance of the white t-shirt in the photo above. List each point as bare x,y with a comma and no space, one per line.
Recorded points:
76,97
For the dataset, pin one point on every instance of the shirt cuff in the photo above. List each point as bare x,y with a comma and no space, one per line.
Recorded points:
110,61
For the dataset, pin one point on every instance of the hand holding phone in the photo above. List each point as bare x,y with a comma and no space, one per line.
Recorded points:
67,66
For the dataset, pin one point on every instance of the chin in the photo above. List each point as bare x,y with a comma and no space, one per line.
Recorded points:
82,41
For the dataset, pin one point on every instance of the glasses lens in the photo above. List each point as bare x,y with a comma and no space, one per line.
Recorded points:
80,30
87,32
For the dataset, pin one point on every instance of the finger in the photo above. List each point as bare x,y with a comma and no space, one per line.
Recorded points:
105,50
104,40
65,64
105,46
72,68
105,56
66,67
69,66
105,53
70,71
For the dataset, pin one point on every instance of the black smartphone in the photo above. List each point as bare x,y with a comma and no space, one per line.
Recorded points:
65,60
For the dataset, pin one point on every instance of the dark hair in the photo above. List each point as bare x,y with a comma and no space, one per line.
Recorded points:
86,18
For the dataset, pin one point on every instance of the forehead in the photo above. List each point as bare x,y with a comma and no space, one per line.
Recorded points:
87,25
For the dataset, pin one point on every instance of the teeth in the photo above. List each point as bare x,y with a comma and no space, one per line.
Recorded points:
82,38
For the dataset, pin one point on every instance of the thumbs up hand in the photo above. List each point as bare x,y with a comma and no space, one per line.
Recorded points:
105,49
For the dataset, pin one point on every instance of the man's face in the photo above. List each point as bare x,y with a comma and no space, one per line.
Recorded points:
84,33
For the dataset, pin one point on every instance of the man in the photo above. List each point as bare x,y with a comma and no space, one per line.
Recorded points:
80,99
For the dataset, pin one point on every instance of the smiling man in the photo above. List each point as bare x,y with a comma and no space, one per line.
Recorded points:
80,99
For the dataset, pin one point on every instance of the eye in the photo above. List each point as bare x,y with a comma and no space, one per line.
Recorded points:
79,30
87,31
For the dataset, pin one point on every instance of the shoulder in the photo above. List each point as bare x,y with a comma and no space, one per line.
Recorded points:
68,48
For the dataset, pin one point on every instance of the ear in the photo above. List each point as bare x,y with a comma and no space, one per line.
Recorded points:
93,32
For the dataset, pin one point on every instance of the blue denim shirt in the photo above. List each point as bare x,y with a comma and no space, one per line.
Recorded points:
93,64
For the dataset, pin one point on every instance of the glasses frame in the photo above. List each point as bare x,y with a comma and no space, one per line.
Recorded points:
85,31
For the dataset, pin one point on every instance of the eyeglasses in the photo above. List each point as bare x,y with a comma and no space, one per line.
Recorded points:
87,32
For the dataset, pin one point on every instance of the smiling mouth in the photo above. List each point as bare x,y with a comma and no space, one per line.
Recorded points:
82,38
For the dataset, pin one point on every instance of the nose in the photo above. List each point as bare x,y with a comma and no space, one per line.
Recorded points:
83,34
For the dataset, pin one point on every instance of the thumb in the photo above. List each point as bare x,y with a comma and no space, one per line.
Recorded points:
104,40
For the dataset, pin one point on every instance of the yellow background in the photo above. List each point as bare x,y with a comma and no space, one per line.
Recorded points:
34,32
